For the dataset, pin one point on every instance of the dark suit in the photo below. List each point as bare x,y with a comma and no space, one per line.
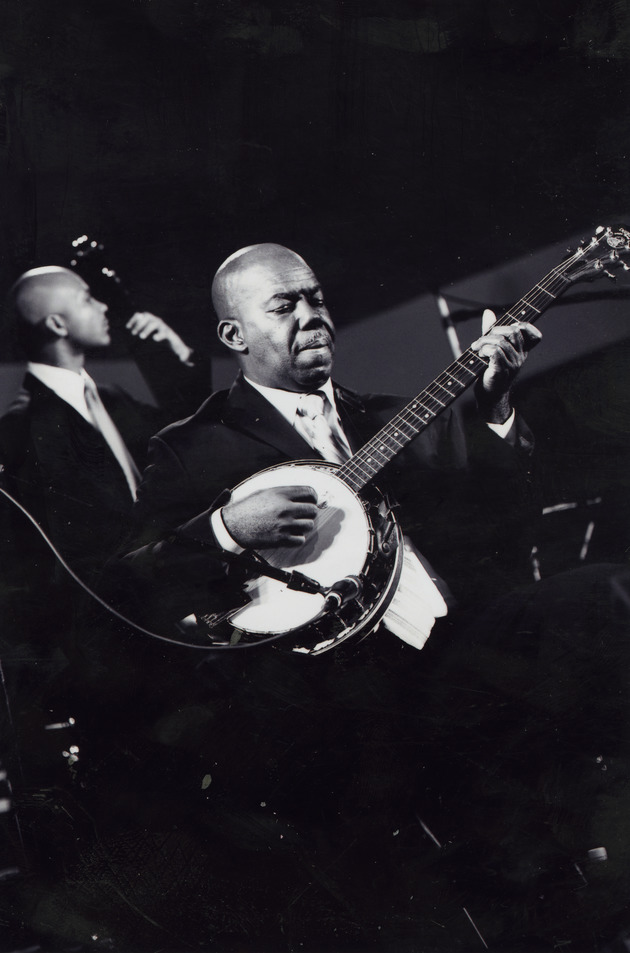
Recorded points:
448,476
63,472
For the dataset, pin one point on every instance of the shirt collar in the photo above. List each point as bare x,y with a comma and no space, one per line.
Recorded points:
286,402
66,384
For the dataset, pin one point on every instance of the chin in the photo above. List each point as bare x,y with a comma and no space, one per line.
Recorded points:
316,376
321,365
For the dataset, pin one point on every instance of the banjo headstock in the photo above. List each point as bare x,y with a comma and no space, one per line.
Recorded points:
606,250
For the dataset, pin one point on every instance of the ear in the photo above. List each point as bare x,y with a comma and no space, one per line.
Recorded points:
230,333
56,323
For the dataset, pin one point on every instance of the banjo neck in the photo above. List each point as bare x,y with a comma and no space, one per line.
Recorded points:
587,262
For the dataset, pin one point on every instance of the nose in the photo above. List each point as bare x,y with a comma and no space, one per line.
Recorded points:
305,312
104,307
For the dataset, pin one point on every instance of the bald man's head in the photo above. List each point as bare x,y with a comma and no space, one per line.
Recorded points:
40,292
272,314
53,305
239,269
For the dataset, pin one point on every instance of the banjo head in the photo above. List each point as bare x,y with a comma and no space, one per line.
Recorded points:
345,542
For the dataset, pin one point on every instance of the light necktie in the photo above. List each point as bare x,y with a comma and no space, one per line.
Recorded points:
319,432
104,423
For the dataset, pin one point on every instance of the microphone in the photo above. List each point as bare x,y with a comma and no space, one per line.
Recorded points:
341,592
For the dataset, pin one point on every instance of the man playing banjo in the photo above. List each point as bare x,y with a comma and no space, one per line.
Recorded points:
271,314
323,784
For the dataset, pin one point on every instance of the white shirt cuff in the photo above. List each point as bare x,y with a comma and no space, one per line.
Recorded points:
502,430
221,534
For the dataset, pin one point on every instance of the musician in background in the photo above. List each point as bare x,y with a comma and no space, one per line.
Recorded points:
71,453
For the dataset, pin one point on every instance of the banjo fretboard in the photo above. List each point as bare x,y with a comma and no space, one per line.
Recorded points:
364,465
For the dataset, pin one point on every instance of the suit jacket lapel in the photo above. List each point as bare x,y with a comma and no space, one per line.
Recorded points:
61,435
357,424
248,411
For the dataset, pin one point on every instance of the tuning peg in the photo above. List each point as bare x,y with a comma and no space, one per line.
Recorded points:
625,266
609,274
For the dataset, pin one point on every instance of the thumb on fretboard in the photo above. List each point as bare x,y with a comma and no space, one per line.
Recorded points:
488,318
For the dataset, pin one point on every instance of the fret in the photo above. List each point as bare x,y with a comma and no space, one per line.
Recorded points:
421,417
473,365
395,437
551,295
462,383
431,404
404,430
368,457
436,398
449,383
530,305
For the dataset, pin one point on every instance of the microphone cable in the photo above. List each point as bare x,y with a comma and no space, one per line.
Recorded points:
119,615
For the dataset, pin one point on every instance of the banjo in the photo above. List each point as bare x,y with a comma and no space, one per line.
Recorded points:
342,580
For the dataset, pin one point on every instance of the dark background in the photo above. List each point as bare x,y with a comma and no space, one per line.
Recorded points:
397,145
401,146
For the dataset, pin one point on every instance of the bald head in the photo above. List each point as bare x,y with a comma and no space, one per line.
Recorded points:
57,318
243,268
40,292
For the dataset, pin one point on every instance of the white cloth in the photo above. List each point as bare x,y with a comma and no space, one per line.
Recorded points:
417,602
100,419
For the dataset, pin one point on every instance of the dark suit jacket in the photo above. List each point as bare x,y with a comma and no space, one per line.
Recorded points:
62,471
450,477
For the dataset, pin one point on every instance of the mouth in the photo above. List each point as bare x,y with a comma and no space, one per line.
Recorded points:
316,344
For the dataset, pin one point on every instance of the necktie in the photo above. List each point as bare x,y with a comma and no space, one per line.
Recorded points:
104,423
320,434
